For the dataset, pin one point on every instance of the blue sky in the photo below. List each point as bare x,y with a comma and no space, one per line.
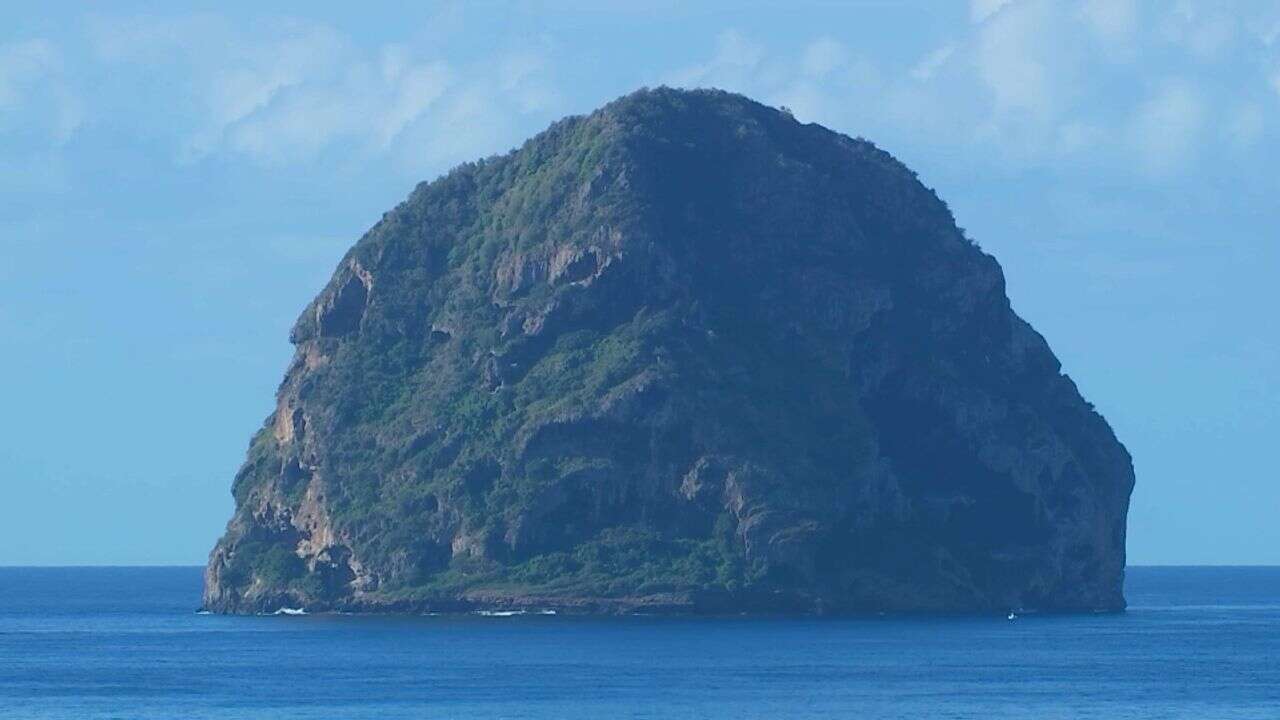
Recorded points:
176,184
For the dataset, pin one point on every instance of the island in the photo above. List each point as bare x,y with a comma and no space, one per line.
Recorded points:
684,354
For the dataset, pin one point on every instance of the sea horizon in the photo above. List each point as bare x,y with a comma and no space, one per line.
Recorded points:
201,565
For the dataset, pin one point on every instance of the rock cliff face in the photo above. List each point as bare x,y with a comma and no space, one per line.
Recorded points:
682,354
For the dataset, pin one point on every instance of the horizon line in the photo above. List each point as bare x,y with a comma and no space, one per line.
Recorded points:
71,566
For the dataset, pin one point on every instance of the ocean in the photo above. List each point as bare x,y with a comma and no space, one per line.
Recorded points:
88,643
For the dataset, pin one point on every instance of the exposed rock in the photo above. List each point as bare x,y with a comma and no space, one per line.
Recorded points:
683,354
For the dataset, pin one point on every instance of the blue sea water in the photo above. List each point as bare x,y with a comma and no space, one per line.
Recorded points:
127,643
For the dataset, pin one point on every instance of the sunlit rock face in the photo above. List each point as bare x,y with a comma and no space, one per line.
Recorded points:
682,354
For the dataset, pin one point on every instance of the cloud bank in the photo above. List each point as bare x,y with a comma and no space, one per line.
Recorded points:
290,92
1032,82
1111,84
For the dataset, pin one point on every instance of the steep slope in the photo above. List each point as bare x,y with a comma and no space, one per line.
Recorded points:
684,353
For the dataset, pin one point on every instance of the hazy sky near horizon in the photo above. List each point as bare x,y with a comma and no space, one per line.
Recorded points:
176,184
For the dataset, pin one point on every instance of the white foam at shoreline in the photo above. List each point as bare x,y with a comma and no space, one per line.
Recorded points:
511,613
290,611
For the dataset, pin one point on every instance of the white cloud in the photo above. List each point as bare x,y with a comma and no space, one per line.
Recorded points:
1206,29
929,64
731,67
525,77
21,64
1270,34
1009,55
807,101
980,10
1029,82
1034,83
1080,137
1112,19
35,95
253,78
297,124
414,89
288,92
823,56
1166,128
1245,126
735,50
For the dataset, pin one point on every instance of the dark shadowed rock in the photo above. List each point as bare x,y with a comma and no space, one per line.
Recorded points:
682,354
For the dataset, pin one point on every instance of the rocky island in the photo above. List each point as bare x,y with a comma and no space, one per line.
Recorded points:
683,354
